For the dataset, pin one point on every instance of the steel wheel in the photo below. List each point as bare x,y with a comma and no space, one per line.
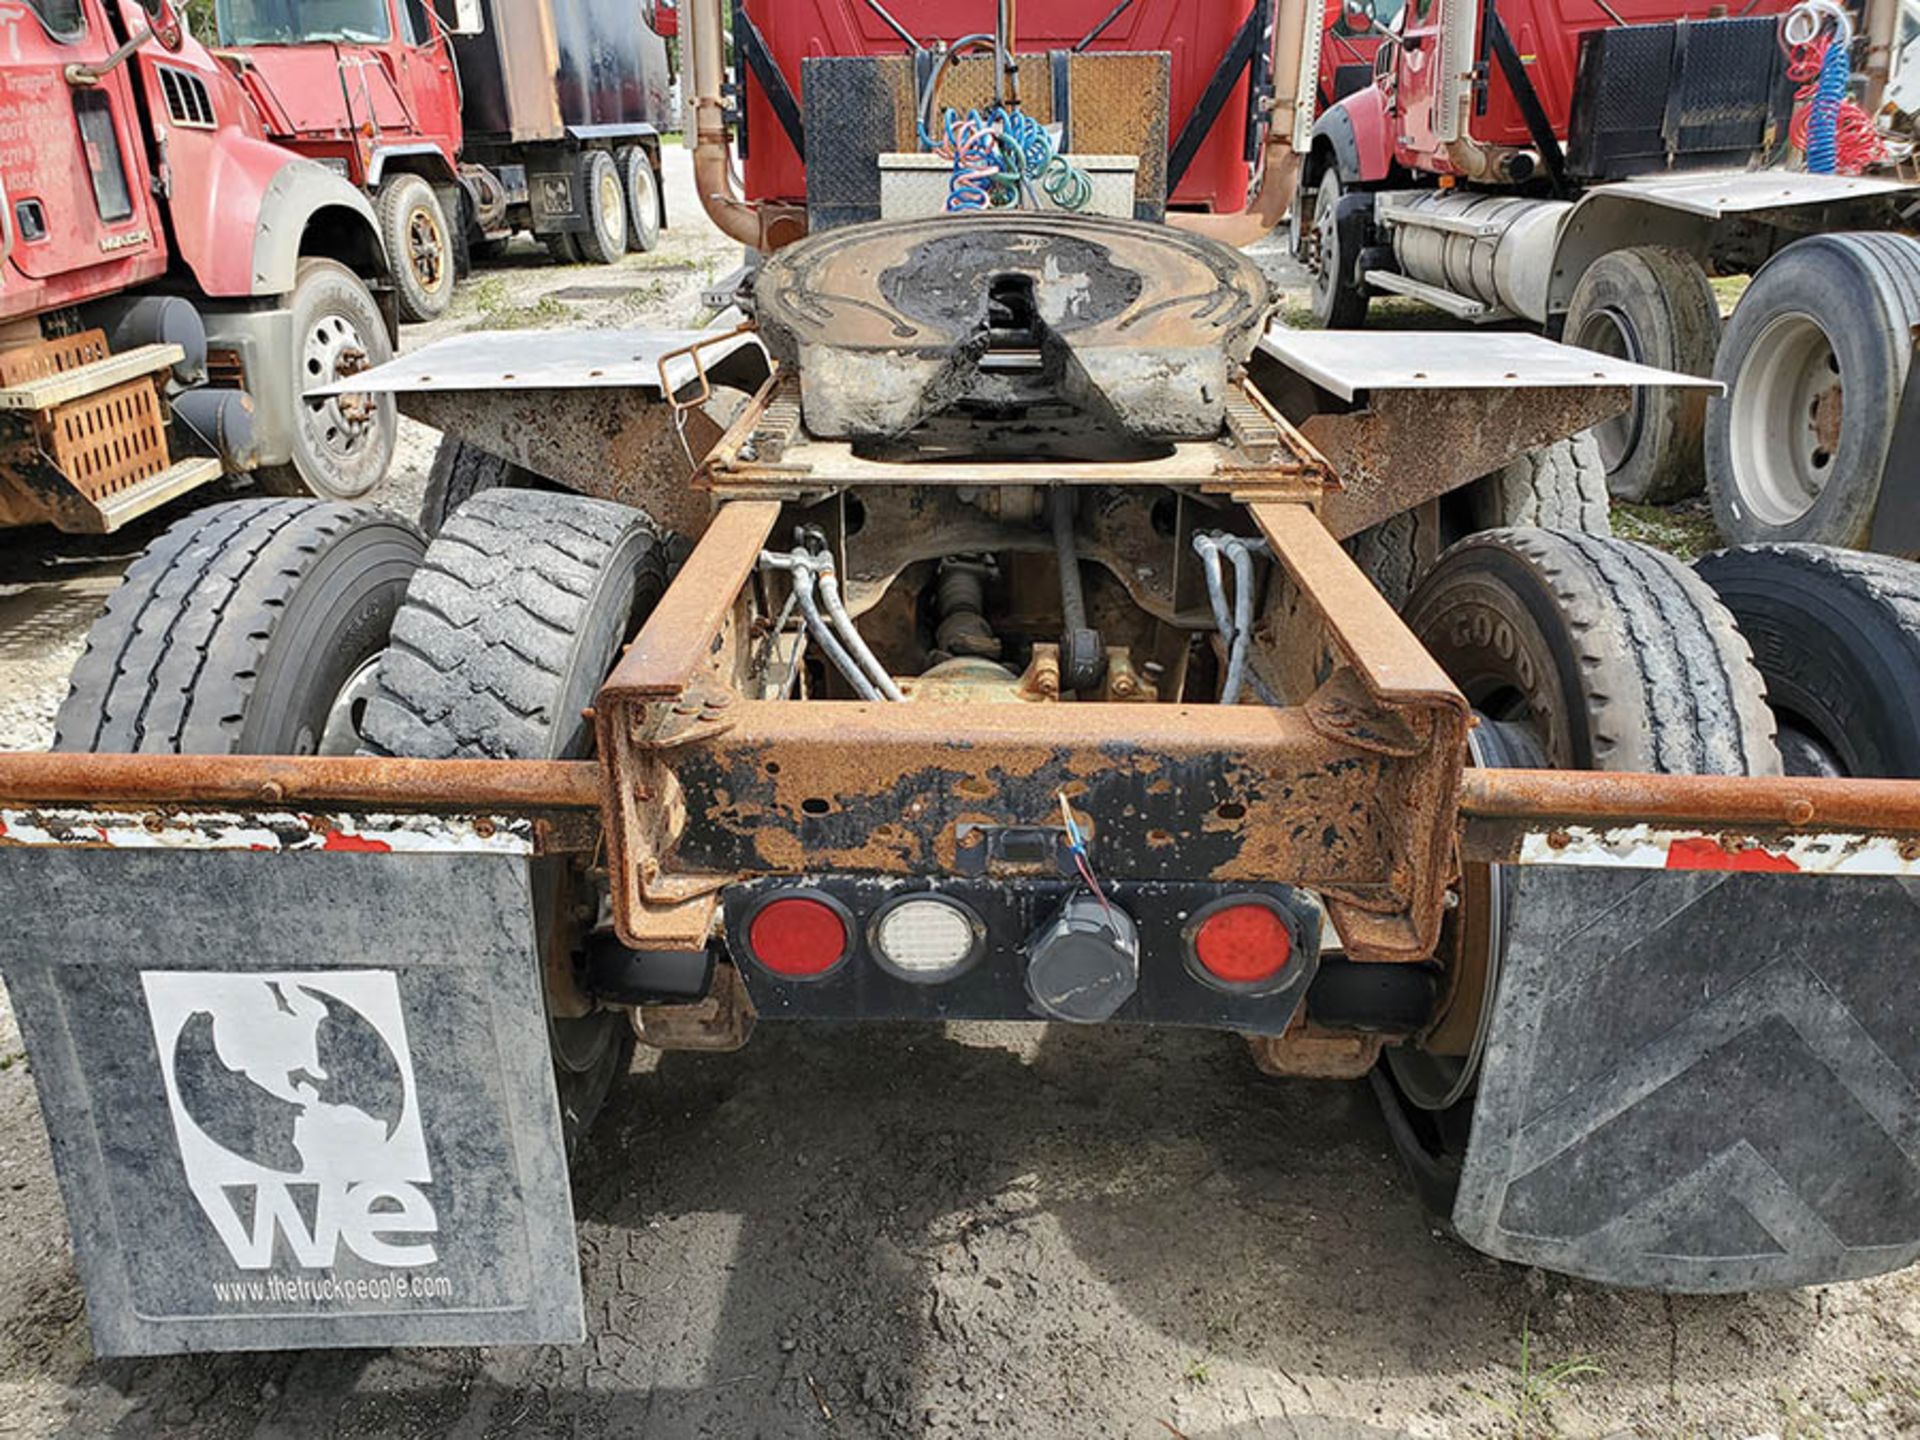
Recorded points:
341,444
1608,333
1339,303
1787,407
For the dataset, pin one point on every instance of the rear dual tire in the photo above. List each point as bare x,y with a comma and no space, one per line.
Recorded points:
1578,652
1653,306
246,628
1814,362
508,629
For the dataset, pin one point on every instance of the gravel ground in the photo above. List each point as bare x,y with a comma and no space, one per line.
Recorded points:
896,1230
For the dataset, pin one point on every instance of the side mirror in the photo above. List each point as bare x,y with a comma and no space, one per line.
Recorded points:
164,24
1359,15
662,17
468,18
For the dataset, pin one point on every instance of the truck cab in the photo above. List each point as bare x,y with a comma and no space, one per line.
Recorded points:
155,247
368,88
356,84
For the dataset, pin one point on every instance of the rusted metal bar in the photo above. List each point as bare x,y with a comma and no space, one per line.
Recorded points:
1693,822
1374,638
355,782
1604,796
679,635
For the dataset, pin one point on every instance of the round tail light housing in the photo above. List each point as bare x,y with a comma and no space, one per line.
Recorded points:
925,939
800,935
1242,944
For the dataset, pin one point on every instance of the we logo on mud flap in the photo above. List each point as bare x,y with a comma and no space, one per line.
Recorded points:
293,1096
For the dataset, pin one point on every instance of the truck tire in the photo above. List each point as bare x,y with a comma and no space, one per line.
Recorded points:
343,444
509,627
420,247
1790,457
604,240
642,185
1837,636
1578,652
1654,306
1339,299
1561,486
462,470
251,627
564,248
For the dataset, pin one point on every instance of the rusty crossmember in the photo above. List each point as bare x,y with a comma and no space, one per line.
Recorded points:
1350,791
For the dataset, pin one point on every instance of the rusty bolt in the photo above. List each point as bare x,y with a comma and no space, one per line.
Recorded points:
153,823
1799,812
649,869
273,790
484,828
1910,850
1124,685
1559,840
686,707
720,701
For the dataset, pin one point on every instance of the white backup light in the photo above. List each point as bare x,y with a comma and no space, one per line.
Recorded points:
925,937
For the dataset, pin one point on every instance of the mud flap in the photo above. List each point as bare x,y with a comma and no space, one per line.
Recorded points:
297,1099
1701,1080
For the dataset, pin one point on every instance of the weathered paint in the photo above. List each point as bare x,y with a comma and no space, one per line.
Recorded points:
267,830
1656,847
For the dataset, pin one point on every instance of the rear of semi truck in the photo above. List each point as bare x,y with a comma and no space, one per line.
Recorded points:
1011,622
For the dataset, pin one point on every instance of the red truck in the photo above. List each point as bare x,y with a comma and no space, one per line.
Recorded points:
1586,169
516,115
171,282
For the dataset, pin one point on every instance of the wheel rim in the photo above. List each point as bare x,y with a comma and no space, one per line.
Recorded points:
1441,1069
1785,419
646,205
426,249
341,732
612,203
1324,264
339,427
1609,332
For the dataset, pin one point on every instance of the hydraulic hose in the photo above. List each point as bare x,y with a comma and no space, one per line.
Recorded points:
843,622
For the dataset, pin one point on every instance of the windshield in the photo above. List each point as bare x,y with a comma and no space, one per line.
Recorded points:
294,22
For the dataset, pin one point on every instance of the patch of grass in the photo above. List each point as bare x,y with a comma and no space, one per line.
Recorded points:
496,308
7,1062
1728,289
1685,531
1197,1372
1387,312
1527,1401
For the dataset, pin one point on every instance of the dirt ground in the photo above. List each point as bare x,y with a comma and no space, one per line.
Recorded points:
894,1230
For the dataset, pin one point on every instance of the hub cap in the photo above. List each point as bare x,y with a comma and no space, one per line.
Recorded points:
426,249
613,205
1785,425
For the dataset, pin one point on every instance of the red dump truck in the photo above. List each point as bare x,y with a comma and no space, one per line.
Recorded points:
508,115
171,281
1588,170
1000,658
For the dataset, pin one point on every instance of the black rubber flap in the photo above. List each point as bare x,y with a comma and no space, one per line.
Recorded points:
1701,1081
296,1100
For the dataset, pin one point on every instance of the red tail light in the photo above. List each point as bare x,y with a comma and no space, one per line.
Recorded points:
1242,943
798,936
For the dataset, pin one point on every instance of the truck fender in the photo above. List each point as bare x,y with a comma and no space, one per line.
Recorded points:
1702,214
228,182
308,210
1600,222
423,159
1355,138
